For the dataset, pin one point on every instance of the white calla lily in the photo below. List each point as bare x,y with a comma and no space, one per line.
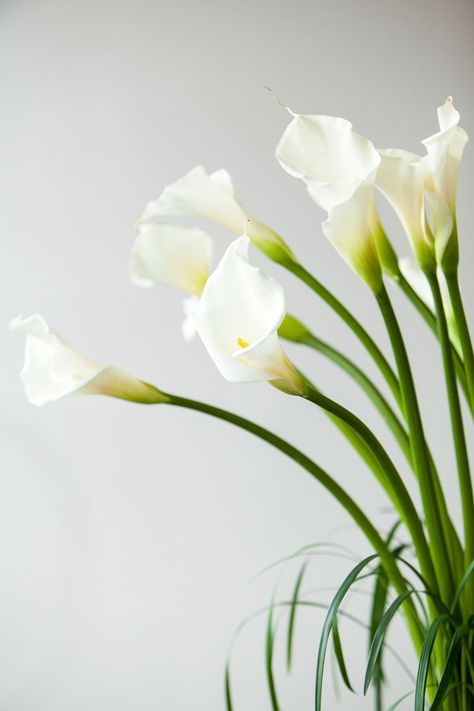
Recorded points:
415,277
348,228
237,319
53,370
212,197
328,155
171,254
401,179
444,153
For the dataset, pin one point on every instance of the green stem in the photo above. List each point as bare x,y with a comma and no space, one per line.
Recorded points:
420,453
350,320
462,460
391,481
463,328
430,319
362,521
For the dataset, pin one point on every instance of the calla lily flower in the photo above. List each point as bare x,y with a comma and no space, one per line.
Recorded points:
414,275
212,197
338,167
237,319
171,254
331,158
53,370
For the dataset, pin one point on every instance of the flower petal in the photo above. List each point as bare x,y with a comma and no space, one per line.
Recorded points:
198,194
328,156
348,228
171,254
239,312
53,370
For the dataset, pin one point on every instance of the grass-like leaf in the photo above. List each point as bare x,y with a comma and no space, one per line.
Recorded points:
339,654
378,639
424,663
460,588
292,617
329,622
269,643
228,694
450,665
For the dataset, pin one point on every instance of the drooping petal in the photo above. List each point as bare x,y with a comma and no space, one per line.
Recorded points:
328,156
197,194
348,229
171,254
445,150
237,318
53,370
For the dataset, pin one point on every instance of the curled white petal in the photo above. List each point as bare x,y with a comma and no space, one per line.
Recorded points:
197,194
53,370
328,156
348,229
171,254
237,318
444,153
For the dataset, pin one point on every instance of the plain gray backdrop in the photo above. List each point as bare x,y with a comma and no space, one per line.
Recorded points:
129,535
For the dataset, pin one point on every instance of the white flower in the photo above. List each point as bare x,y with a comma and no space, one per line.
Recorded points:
401,179
338,167
237,319
53,370
212,197
331,158
348,228
171,254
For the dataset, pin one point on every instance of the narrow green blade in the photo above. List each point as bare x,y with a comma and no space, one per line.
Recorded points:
424,663
292,618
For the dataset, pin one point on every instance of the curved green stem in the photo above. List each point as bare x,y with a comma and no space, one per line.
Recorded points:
350,320
362,521
391,481
430,319
459,439
463,328
421,458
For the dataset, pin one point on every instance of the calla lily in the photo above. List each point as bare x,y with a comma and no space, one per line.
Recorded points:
401,179
173,255
212,197
338,167
412,272
348,228
53,370
237,319
331,158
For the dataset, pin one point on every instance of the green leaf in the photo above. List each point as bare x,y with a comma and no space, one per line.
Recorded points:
292,618
461,585
329,622
269,641
424,663
378,639
451,659
339,654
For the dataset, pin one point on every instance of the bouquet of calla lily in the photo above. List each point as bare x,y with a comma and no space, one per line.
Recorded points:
239,313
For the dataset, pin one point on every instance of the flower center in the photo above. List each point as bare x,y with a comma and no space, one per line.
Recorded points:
242,343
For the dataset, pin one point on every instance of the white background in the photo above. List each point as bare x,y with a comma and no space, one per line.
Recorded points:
129,535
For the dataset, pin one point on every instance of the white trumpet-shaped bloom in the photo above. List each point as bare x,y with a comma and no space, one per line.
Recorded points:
331,158
444,153
171,254
348,228
237,319
197,194
53,370
212,197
